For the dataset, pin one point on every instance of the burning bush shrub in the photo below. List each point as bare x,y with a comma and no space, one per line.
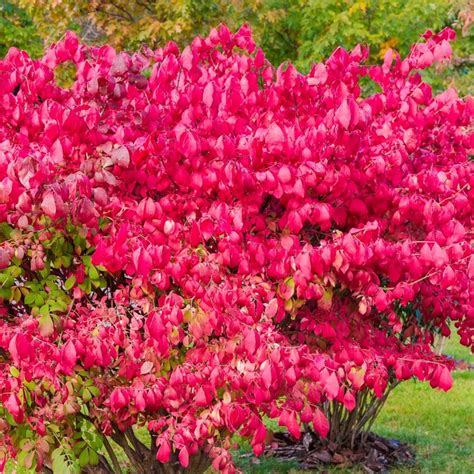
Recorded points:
191,242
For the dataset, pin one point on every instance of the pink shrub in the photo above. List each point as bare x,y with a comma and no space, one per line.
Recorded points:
222,241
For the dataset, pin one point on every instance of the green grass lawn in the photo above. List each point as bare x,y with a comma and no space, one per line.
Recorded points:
454,349
439,425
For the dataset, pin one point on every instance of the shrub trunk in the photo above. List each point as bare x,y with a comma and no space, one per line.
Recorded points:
348,429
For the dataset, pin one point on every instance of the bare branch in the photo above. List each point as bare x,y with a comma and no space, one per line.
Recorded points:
458,61
122,9
146,6
112,456
136,443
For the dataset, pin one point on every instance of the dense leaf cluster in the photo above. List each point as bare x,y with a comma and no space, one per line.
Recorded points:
192,241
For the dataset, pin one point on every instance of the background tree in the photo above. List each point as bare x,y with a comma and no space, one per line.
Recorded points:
128,25
17,29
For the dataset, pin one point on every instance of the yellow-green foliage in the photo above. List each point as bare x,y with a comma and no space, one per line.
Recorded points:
17,29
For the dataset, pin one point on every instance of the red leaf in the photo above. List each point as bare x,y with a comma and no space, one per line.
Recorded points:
331,386
48,205
343,114
188,144
288,419
68,357
155,325
306,415
146,209
470,268
119,399
320,423
164,453
143,262
445,379
19,348
119,66
448,277
183,457
290,376
4,258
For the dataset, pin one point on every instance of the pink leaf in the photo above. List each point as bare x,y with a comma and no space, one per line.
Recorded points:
200,399
208,94
48,205
12,404
183,457
445,379
251,341
349,401
284,174
320,423
164,452
272,308
68,357
187,58
331,386
275,135
343,114
121,156
267,375
57,152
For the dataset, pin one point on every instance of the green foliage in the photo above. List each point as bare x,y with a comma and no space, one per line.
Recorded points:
45,293
17,29
327,24
277,27
64,461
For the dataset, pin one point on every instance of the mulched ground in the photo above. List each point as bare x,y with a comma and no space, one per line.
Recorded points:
377,455
461,364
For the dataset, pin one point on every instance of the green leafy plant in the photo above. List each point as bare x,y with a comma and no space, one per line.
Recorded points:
17,29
